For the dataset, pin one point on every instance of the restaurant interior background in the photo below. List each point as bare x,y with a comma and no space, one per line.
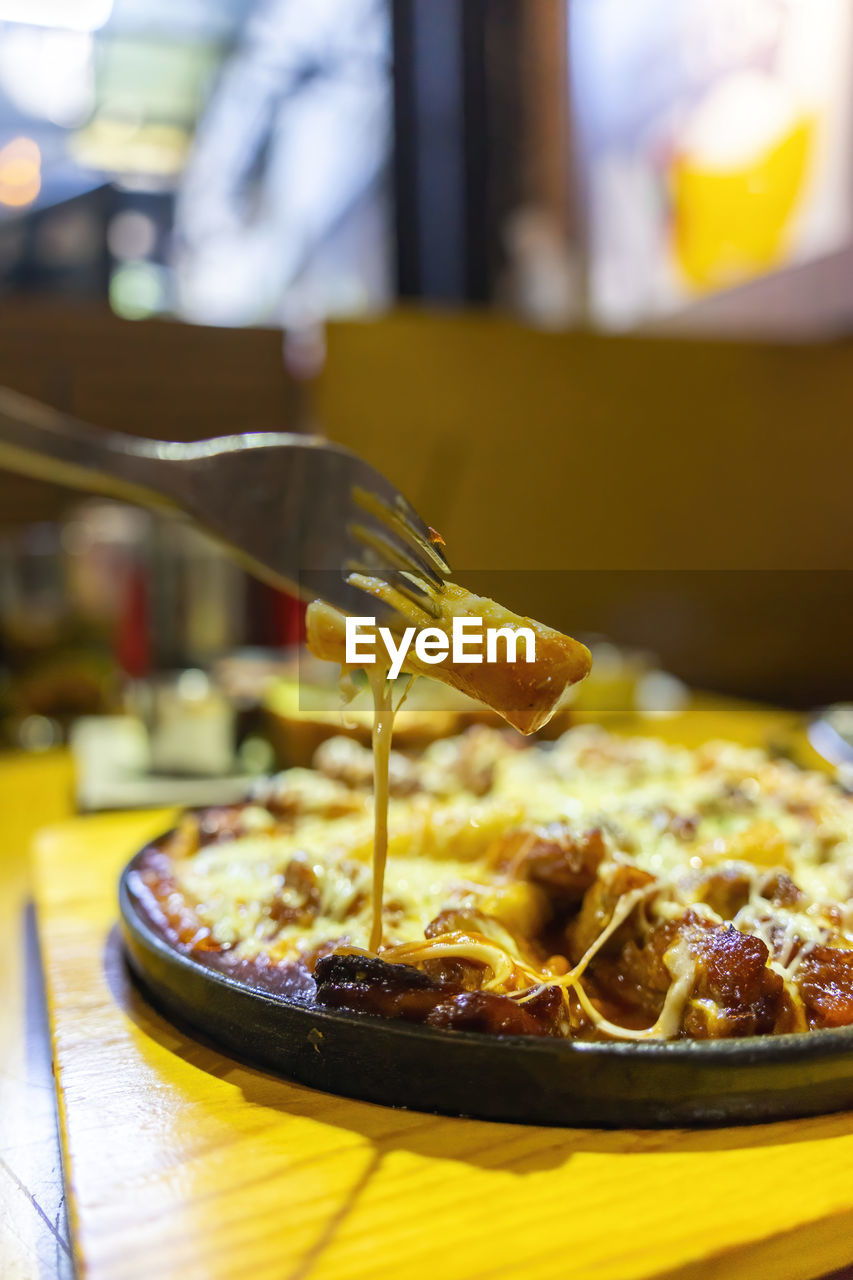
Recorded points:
576,274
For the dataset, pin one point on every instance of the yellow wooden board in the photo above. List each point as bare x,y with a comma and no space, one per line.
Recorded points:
183,1163
34,789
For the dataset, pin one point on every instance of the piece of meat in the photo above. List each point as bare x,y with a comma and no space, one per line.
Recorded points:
454,920
780,890
681,825
636,976
725,890
471,974
599,903
791,1013
479,751
364,984
461,973
465,974
544,1014
733,991
563,863
218,823
825,980
301,904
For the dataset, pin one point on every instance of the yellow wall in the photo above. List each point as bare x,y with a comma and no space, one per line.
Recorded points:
533,451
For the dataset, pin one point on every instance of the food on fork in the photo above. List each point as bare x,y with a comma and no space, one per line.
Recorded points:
526,693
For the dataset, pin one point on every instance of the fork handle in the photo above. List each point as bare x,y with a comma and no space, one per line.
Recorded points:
41,442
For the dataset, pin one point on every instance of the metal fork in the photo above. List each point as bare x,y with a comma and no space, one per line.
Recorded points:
297,511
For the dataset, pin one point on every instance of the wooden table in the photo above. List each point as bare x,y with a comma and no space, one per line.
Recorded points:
34,1237
181,1162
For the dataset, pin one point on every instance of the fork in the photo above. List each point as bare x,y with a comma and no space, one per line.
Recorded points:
297,511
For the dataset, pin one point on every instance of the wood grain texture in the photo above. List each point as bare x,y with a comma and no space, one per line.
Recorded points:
33,1232
184,1163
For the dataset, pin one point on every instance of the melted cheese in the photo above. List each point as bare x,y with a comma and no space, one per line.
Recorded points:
442,844
383,728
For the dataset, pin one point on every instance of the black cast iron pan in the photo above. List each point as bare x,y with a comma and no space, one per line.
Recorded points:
526,1079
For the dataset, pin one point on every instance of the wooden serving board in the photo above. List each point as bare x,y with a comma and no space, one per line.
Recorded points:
180,1162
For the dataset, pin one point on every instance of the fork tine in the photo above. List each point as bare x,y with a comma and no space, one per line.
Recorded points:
389,552
405,584
423,536
385,593
400,519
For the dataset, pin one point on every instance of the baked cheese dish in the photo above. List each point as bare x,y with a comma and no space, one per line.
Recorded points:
598,887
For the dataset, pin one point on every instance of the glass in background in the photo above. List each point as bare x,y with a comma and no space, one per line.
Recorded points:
713,145
60,593
91,608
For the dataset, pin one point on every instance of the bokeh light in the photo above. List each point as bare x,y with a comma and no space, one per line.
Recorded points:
131,234
138,290
20,172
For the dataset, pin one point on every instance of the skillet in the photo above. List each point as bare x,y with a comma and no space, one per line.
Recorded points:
523,1079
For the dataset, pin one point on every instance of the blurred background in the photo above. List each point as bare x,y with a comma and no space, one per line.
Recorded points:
576,274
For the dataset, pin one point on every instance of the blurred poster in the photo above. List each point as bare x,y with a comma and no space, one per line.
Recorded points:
713,139
283,210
